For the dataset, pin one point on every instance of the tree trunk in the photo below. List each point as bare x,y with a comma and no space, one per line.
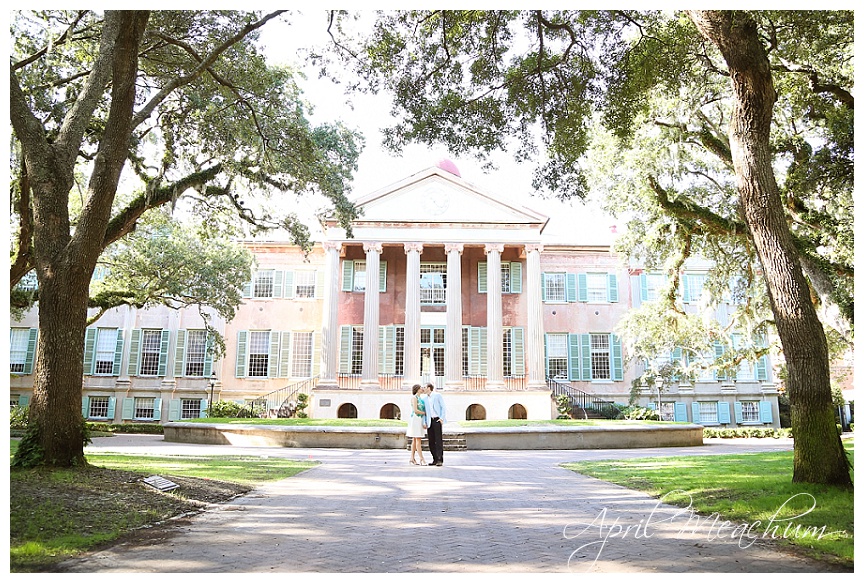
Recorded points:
819,453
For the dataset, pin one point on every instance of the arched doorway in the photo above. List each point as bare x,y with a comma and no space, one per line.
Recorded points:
390,411
475,412
347,411
517,411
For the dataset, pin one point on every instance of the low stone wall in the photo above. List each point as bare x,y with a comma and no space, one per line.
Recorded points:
531,437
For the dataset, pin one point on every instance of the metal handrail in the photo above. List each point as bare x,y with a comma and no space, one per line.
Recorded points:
282,402
576,397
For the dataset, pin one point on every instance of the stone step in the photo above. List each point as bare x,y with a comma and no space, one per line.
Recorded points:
452,442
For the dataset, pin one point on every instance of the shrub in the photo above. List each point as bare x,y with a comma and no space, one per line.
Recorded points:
758,432
19,417
230,409
640,413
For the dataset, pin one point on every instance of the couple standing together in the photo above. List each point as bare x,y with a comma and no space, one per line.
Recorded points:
427,418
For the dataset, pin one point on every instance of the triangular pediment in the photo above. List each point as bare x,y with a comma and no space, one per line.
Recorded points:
437,196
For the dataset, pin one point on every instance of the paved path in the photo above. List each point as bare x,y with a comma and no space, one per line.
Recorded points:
369,511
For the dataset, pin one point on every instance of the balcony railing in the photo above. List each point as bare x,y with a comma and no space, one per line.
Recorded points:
394,382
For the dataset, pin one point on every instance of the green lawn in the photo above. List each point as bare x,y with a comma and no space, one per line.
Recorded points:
56,514
744,489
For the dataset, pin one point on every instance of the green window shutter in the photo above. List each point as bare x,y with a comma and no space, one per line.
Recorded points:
680,412
543,287
31,350
247,289
585,352
23,400
382,276
517,367
288,285
134,355
345,336
515,277
208,355
242,347
278,278
481,277
685,288
174,409
762,368
643,287
473,348
719,351
112,404
387,349
695,410
285,356
675,358
652,406
611,288
617,358
180,354
85,407
118,354
273,357
128,408
347,275
575,372
163,353
157,409
723,415
316,354
89,351
203,409
765,415
739,414
571,287
582,290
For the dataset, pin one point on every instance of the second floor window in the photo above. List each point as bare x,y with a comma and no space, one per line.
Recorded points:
196,349
259,353
554,284
150,349
262,286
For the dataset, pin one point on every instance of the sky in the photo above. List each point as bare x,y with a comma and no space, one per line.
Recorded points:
378,168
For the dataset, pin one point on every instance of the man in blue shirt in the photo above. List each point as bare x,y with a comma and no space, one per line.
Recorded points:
436,417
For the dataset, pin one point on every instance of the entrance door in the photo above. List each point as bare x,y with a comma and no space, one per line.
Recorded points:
432,355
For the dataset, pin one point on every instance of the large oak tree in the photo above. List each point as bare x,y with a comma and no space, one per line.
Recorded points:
181,102
546,82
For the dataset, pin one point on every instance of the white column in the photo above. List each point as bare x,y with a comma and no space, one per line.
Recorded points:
534,339
411,374
494,329
453,339
370,318
330,325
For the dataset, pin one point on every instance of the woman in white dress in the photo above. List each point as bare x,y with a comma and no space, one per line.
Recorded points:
417,424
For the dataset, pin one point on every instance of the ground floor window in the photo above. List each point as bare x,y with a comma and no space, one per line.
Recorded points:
667,411
144,407
99,407
190,409
708,411
750,411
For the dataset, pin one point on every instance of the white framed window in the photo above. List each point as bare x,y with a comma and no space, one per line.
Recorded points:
18,342
399,364
29,282
304,284
301,357
262,284
196,350
433,283
693,287
653,283
597,287
505,277
601,368
144,407
151,341
750,411
667,411
98,408
708,412
259,353
357,350
106,347
359,276
555,286
190,409
556,356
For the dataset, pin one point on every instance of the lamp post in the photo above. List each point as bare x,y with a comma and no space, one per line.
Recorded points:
659,382
212,385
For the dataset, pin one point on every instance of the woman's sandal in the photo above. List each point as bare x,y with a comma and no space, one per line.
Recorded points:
413,463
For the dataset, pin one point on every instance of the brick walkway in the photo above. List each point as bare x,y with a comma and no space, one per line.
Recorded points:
369,511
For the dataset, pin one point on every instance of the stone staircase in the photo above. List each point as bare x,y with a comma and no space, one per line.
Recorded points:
452,442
